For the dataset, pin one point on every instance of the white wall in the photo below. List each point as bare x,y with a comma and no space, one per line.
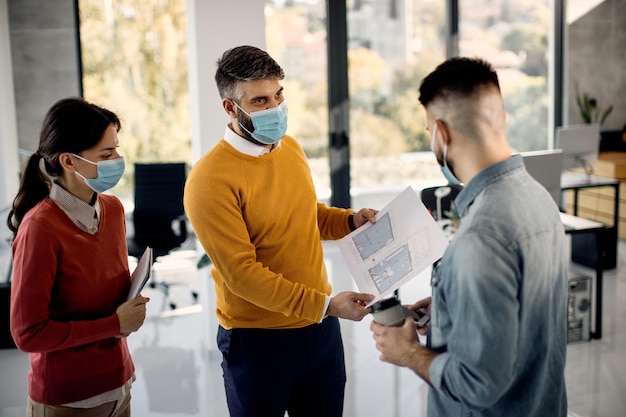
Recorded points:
213,27
9,169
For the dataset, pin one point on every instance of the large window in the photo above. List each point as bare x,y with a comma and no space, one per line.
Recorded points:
392,45
296,38
513,36
134,59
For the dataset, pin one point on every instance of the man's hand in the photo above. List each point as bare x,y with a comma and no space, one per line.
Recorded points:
363,216
396,344
400,346
131,315
349,305
424,306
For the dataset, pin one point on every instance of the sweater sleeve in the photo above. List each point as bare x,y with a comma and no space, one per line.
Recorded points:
216,211
333,221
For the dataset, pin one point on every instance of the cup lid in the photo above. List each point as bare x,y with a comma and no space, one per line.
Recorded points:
385,304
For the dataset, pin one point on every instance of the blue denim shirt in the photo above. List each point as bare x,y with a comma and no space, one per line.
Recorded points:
500,302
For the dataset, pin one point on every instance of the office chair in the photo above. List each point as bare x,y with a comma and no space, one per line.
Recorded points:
158,217
445,195
158,208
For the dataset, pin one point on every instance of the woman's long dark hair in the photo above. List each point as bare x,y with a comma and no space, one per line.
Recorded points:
71,125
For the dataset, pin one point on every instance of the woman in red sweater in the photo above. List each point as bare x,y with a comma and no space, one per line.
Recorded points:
70,268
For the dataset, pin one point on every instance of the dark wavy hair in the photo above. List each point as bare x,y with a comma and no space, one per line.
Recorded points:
244,63
71,125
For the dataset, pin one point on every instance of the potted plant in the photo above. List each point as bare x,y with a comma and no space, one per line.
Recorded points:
590,111
453,215
203,261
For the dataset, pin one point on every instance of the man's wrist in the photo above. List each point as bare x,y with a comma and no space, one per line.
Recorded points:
420,361
351,222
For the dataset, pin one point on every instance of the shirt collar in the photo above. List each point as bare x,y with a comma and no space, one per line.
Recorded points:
86,217
245,146
483,179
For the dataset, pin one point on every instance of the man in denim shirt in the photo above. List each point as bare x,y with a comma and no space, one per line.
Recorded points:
498,332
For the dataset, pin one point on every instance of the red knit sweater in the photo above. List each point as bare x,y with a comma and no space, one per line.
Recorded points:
66,287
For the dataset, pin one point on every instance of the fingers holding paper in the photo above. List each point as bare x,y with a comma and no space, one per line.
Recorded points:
363,216
132,314
349,305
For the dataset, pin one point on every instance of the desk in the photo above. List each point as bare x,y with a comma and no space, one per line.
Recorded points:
575,226
576,181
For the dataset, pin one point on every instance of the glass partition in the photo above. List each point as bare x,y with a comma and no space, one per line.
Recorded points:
514,37
134,58
392,45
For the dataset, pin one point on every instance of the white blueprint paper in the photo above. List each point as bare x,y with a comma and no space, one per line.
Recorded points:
404,241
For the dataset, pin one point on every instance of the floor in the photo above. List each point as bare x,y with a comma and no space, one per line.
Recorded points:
178,369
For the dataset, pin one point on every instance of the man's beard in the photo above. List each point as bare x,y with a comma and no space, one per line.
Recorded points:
245,121
438,155
439,158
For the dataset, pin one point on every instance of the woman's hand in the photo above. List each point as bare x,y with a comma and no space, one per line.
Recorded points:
131,315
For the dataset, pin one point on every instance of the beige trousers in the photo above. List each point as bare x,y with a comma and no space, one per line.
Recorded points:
119,408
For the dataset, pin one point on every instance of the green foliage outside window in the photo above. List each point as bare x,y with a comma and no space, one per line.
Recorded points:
135,63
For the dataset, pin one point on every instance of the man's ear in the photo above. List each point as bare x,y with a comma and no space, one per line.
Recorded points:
444,131
67,162
229,107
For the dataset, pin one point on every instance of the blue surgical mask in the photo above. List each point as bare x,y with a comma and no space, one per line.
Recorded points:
270,125
109,173
445,170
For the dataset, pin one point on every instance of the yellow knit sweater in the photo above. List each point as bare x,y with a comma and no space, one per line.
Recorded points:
259,221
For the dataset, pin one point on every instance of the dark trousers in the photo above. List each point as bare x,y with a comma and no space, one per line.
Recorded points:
267,371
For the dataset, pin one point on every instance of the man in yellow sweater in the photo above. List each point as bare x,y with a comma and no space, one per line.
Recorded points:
253,206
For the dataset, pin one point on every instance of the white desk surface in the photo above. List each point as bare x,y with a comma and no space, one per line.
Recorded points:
578,223
580,179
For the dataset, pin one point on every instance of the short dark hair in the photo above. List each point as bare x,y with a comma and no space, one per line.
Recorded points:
463,76
244,63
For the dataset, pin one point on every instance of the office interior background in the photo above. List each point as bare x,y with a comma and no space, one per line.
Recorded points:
352,73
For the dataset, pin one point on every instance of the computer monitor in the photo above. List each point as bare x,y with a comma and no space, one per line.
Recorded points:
545,167
580,144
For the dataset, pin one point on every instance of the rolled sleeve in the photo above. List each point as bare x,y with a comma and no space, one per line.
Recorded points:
436,369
